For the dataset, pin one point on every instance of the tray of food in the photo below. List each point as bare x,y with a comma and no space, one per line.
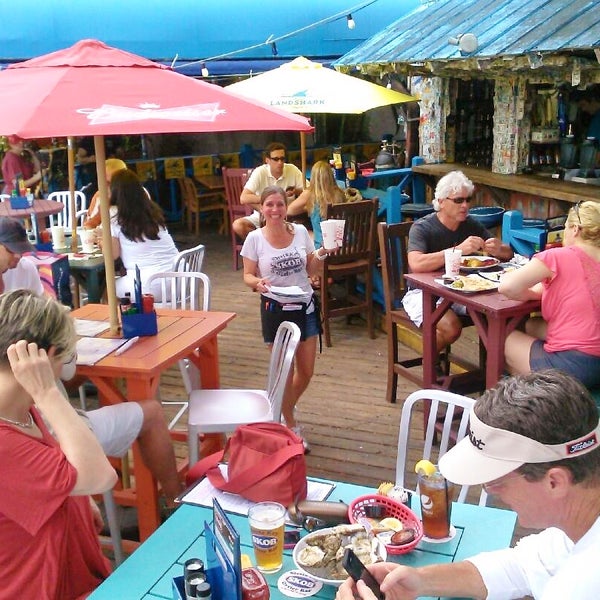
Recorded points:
474,263
469,284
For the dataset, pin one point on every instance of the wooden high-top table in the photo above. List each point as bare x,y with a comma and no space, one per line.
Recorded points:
493,314
181,334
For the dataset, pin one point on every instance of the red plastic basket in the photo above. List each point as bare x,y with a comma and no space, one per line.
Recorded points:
393,508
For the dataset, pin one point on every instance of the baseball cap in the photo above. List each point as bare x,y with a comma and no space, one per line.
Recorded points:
14,139
488,453
14,236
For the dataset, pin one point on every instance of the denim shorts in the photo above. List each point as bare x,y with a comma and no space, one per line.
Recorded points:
582,366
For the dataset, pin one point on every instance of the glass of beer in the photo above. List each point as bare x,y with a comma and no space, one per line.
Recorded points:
436,503
267,520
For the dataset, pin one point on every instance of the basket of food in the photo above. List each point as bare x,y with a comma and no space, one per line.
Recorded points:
392,522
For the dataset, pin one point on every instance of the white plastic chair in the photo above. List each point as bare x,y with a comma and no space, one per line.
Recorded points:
445,410
190,260
110,508
222,410
65,219
183,291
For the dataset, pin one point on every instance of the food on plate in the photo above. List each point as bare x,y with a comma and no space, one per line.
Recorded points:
324,550
477,263
472,284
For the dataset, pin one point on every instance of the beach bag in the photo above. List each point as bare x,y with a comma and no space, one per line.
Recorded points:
265,463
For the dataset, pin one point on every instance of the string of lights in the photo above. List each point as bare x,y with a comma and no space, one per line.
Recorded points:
272,40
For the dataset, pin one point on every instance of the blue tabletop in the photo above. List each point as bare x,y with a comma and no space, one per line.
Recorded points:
149,571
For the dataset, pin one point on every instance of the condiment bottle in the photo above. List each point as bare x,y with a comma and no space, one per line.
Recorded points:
203,591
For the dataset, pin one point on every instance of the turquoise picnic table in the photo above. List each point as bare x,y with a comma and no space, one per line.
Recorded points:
148,573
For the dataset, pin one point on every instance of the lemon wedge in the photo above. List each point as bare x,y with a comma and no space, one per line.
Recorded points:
391,523
425,467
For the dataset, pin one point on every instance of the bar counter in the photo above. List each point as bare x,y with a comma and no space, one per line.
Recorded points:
501,185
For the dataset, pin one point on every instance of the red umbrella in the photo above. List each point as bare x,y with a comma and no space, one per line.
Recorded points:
91,89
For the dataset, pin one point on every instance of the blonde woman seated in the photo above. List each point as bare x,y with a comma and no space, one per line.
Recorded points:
93,218
567,280
321,191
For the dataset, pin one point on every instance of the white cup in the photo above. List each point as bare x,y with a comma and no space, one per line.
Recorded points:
329,229
58,236
452,257
88,240
340,225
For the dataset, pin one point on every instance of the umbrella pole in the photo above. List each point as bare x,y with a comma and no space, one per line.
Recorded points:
72,205
109,265
303,155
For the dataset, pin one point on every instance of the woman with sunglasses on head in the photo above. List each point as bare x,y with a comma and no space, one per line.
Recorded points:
450,226
567,280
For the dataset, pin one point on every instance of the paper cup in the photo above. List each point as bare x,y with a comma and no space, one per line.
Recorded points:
58,236
329,229
88,240
452,258
340,225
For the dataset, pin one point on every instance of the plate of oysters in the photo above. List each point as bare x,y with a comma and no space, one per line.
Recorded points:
320,553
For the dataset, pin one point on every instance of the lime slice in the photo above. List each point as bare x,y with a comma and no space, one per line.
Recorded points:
425,467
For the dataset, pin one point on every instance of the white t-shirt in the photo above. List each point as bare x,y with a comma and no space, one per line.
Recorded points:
281,266
547,566
151,256
24,276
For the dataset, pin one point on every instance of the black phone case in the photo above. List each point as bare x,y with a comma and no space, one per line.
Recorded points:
357,570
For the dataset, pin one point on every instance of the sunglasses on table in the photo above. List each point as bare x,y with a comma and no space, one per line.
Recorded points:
277,158
466,199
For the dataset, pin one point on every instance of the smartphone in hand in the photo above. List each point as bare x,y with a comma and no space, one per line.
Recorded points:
355,568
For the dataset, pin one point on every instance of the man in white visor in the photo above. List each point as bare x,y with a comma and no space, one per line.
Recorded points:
533,442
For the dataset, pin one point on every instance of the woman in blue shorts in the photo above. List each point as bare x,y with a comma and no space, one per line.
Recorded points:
567,280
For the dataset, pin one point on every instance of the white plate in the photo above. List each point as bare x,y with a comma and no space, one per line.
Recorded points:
319,573
483,285
479,258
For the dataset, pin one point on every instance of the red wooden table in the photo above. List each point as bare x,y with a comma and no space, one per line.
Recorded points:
493,314
181,334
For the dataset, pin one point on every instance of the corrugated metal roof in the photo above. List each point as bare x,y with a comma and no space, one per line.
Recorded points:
504,28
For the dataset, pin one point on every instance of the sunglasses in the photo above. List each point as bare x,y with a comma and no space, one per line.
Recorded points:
277,158
461,200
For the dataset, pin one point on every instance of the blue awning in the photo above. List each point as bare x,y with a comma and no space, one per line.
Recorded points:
234,35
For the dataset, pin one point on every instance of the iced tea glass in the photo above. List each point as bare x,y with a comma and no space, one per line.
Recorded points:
436,504
267,521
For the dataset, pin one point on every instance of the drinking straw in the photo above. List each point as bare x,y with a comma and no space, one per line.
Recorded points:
447,504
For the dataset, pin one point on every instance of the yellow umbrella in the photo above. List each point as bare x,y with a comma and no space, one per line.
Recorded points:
304,86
